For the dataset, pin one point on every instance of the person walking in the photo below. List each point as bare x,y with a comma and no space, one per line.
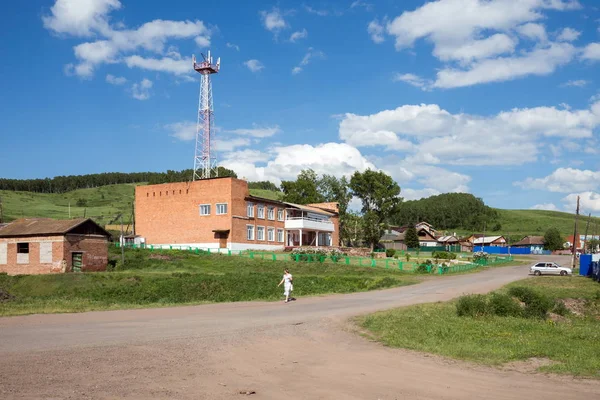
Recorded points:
287,284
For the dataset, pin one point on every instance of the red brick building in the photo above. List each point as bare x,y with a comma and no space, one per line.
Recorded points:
43,246
220,213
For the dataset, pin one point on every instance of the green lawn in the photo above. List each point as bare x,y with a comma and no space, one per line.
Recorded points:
570,342
155,279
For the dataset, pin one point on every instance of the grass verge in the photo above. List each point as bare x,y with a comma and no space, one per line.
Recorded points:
569,341
176,278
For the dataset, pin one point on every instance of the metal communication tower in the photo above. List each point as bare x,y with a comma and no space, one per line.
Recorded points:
205,160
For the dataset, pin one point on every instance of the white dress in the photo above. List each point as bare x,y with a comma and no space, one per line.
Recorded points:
287,284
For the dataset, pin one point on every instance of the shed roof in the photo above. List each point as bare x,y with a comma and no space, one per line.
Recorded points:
530,240
46,226
447,239
487,239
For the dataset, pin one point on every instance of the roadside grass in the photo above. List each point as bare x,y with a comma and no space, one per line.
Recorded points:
177,278
571,342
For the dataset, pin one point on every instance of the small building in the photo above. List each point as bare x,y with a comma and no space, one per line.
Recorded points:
220,213
492,241
393,238
535,244
44,246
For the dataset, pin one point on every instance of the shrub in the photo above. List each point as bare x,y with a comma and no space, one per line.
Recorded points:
480,256
536,305
524,294
81,202
336,254
443,255
472,306
390,253
504,305
407,257
560,309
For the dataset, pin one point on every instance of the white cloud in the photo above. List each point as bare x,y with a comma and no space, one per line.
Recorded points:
541,61
482,36
115,80
83,18
533,31
165,64
413,80
258,132
589,202
254,65
141,91
185,130
360,3
591,52
576,83
233,46
79,17
545,206
311,54
464,139
230,144
273,21
320,13
564,180
376,30
298,35
568,35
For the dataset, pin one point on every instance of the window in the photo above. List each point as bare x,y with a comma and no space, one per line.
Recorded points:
260,233
280,215
221,208
250,232
23,248
250,210
280,235
271,235
204,209
271,214
261,211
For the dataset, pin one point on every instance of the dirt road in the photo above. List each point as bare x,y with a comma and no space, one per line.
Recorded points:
300,350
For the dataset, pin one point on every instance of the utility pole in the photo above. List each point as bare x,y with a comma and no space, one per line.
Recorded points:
573,260
483,238
122,243
69,209
587,226
1,212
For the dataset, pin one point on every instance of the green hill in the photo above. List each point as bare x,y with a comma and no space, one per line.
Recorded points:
104,203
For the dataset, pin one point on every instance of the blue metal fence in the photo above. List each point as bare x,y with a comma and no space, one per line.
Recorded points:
510,250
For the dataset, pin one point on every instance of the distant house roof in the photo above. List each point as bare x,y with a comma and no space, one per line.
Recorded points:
487,239
530,241
446,239
47,226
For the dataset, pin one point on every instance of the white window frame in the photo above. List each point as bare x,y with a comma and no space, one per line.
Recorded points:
270,234
250,209
280,214
281,238
271,213
248,231
258,230
217,208
200,209
260,211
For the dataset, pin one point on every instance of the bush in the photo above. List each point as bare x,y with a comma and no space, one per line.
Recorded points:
390,253
536,305
443,255
407,257
504,305
560,309
480,256
472,306
524,294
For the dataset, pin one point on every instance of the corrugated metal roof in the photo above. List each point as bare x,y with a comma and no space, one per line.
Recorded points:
447,238
309,209
530,240
42,226
487,239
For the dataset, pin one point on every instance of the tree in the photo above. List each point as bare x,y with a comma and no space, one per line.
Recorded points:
380,199
553,240
592,245
411,239
304,190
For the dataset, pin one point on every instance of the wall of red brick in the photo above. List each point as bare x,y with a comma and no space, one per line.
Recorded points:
94,249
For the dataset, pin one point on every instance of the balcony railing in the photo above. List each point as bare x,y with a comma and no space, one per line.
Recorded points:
324,221
309,223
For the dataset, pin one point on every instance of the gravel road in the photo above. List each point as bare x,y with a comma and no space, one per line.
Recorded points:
301,350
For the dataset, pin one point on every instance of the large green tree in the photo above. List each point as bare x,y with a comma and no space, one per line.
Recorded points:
553,240
304,190
411,239
380,197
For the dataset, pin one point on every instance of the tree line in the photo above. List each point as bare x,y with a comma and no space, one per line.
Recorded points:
62,184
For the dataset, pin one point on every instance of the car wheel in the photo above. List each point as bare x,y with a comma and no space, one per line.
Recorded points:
537,273
563,273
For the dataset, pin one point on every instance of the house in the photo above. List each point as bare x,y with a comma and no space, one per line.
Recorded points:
581,240
493,241
220,213
393,238
426,226
43,246
534,243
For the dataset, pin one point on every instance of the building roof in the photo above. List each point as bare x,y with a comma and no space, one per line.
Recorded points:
447,238
309,209
529,241
46,226
487,239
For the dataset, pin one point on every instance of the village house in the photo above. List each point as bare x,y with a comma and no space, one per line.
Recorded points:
220,213
492,241
393,238
535,244
43,246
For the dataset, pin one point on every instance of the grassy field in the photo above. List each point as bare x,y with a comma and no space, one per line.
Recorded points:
568,344
153,279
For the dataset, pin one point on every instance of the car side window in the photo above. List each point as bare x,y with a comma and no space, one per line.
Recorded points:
540,265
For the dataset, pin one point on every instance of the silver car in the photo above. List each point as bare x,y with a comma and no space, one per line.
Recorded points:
549,268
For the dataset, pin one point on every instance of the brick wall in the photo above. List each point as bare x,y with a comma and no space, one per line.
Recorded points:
94,249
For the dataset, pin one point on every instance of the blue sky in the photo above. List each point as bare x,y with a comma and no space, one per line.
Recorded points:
498,98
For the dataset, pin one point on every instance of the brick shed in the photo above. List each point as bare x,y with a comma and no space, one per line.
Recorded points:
44,246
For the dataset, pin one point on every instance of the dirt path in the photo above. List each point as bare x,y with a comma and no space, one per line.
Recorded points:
299,350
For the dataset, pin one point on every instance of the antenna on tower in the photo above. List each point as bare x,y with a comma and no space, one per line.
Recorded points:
205,160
